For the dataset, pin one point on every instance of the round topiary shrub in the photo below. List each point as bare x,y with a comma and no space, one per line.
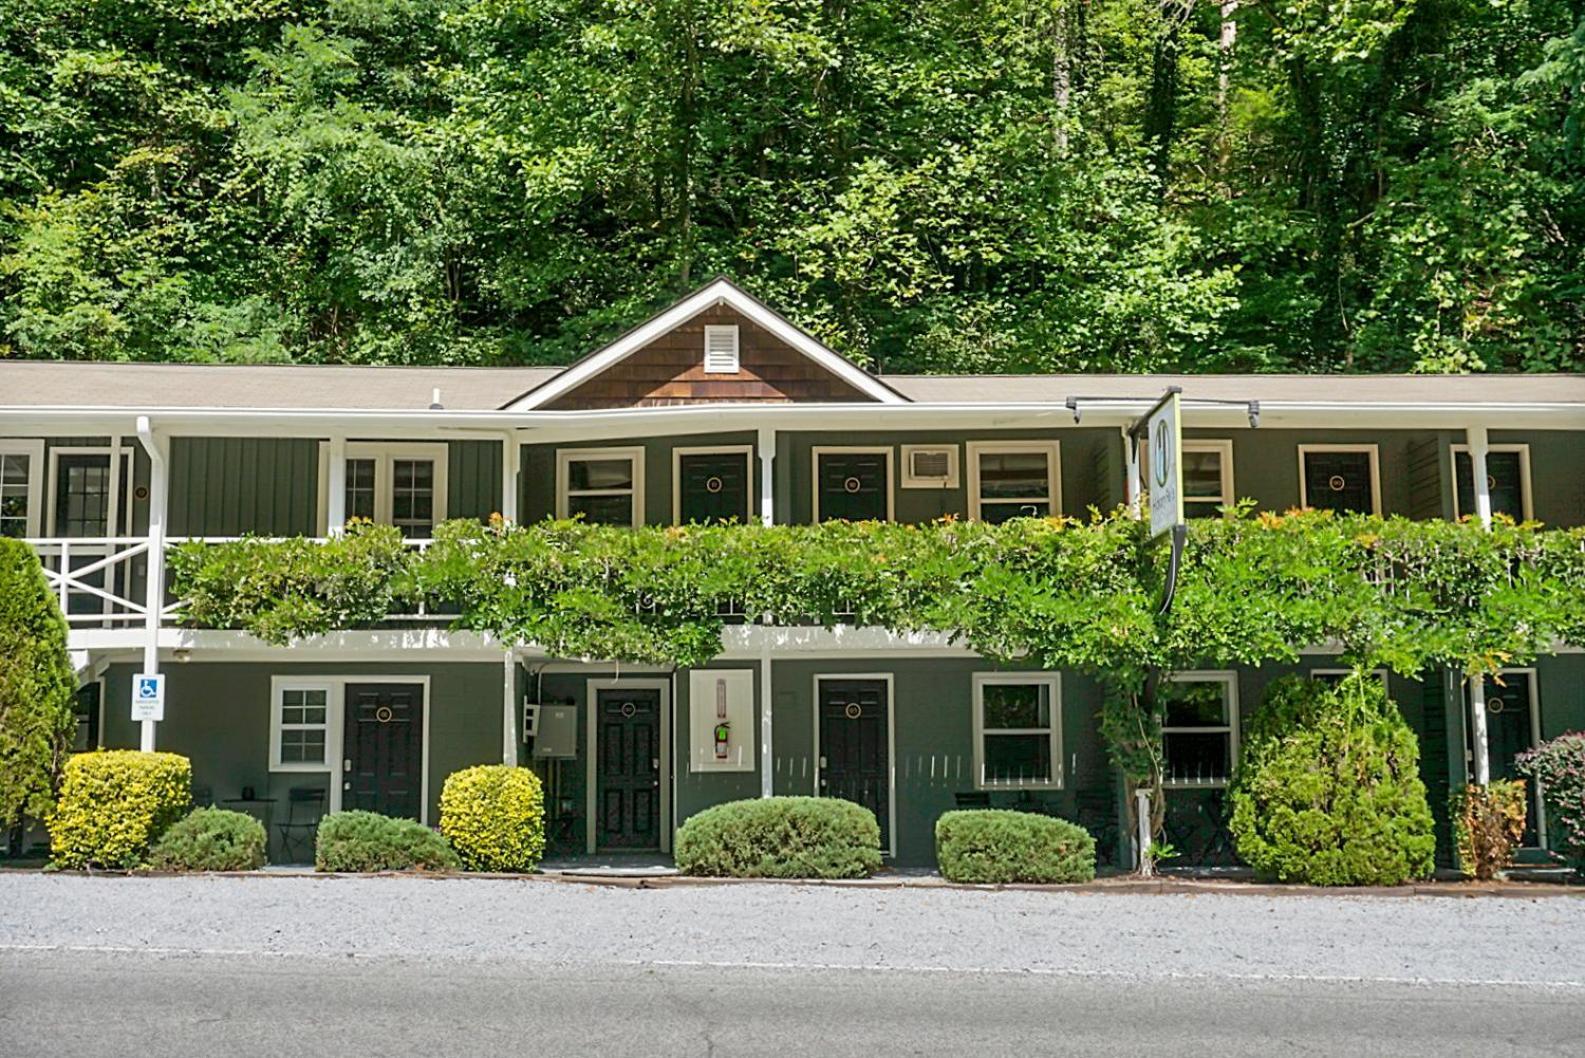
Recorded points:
998,846
494,817
367,841
1558,768
115,804
1328,788
781,837
211,839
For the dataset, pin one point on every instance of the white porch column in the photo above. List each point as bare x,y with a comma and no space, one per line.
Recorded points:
767,476
509,710
1477,440
767,784
154,597
511,459
336,487
1131,481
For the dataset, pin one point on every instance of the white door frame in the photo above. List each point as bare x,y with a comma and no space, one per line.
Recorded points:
593,687
891,744
1533,789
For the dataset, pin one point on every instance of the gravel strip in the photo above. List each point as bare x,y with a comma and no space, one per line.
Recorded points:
1144,935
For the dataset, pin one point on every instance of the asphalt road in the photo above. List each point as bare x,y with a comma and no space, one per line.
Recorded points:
81,1003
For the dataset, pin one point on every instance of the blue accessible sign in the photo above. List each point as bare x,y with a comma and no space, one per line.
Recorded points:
148,697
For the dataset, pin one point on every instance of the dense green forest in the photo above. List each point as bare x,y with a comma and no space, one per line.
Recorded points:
931,185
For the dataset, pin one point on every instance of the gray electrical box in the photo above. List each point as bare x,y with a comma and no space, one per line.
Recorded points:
557,734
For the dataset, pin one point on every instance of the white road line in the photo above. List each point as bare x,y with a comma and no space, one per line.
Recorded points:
707,964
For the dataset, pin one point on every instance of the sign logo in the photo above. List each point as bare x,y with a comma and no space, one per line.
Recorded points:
1161,457
148,697
1165,434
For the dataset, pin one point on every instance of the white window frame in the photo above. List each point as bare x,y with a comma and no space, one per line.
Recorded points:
677,454
1053,453
385,454
1052,680
565,457
816,451
711,330
1229,679
279,685
1372,450
953,472
1224,448
1524,475
34,450
1380,674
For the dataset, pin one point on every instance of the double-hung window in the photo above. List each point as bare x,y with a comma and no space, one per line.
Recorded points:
1507,480
1207,477
396,484
604,485
21,496
1013,479
1200,729
1017,730
300,725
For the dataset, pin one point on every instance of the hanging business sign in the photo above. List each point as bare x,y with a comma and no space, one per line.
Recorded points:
148,697
1164,438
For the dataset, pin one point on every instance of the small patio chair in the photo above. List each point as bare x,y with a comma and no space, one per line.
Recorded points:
305,806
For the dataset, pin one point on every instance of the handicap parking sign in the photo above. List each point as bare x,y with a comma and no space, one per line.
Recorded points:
148,697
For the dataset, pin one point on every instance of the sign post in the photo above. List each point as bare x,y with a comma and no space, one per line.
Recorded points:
148,697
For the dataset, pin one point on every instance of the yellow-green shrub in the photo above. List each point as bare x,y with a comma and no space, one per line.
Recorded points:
115,804
1488,826
494,817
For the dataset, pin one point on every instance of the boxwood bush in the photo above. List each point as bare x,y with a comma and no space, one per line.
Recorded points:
1328,788
494,817
368,841
781,837
997,846
115,804
211,839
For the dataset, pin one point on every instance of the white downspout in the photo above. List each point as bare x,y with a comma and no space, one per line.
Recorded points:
1477,440
154,598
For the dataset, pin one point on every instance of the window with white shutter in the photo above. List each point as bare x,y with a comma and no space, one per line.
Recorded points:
720,350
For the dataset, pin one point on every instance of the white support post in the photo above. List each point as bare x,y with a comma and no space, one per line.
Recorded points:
767,476
509,710
154,598
511,458
336,487
1131,484
767,778
1477,440
1142,812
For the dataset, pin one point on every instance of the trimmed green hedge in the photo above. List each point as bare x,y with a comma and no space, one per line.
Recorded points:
1328,788
494,817
211,839
367,841
115,804
781,837
999,846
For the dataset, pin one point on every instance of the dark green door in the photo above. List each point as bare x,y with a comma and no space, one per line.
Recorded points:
855,762
1509,732
1504,477
1339,481
713,487
853,486
383,749
627,778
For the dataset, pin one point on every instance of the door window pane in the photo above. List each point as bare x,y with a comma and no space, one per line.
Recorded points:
15,473
82,500
360,489
413,496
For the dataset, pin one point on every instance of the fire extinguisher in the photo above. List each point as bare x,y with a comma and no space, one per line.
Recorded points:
723,731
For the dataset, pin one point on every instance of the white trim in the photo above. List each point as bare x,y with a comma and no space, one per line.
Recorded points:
816,451
1373,450
891,744
1052,680
730,363
677,454
566,456
909,481
384,454
719,292
1224,448
1525,501
592,689
335,736
279,685
34,450
1053,453
1229,679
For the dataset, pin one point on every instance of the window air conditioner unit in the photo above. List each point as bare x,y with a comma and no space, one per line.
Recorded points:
930,466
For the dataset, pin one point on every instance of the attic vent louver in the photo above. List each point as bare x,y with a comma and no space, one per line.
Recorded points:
720,350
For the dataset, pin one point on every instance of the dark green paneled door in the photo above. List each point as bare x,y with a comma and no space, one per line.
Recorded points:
713,487
855,762
383,747
1510,731
627,777
853,485
1504,477
1339,481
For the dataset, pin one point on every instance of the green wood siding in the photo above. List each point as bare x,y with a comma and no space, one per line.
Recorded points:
227,486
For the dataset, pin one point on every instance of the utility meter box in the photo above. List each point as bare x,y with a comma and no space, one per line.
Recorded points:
556,733
721,720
